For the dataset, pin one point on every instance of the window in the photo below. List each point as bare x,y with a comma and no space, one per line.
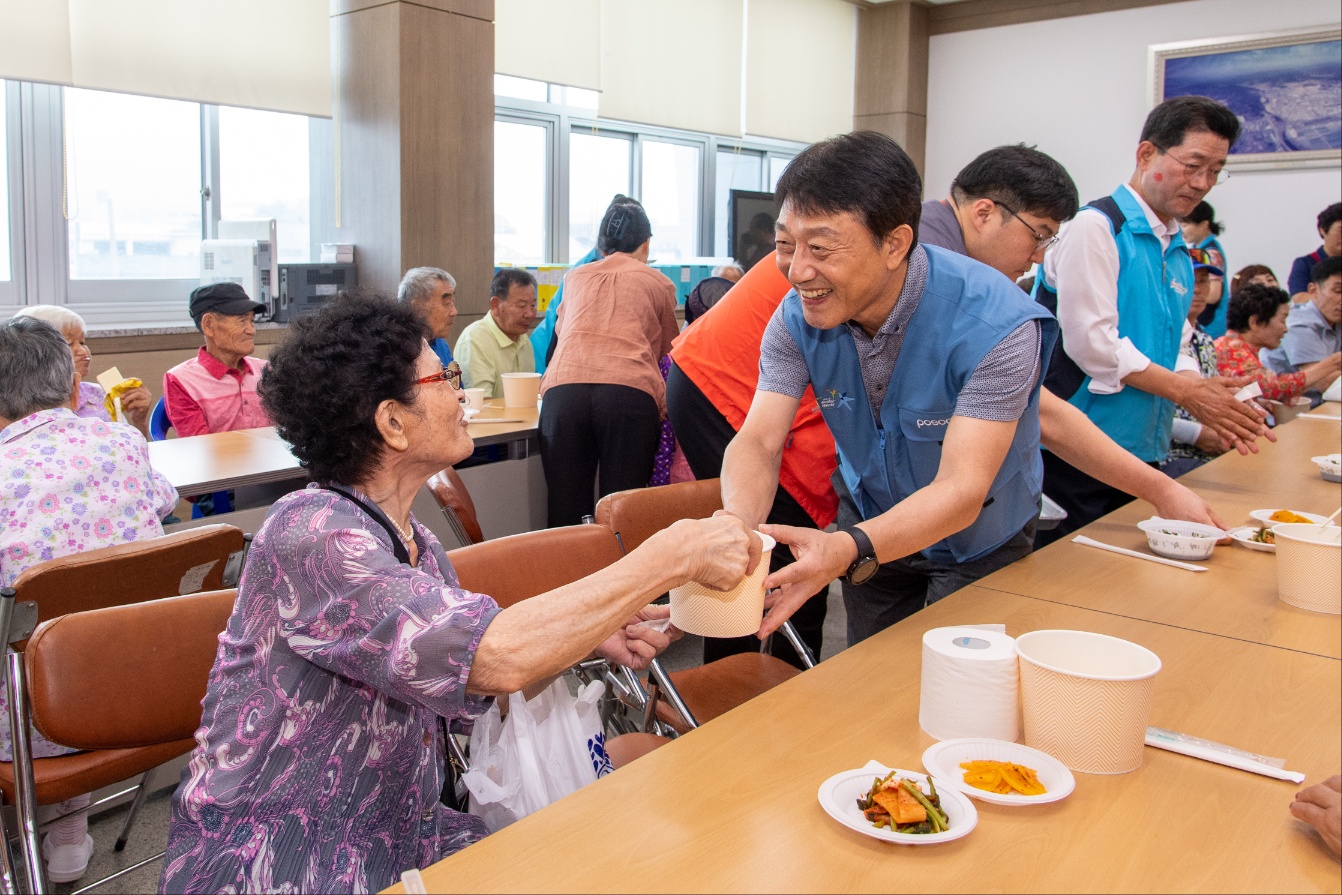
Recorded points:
599,167
132,176
520,191
777,164
737,170
263,174
670,194
6,268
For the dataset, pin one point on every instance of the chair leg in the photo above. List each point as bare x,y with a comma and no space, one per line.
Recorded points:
135,807
8,883
658,675
24,788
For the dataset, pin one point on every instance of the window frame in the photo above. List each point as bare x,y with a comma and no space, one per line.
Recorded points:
533,119
566,120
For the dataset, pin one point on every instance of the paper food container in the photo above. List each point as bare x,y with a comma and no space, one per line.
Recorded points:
1086,697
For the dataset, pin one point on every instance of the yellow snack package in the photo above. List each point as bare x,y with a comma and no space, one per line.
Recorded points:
117,391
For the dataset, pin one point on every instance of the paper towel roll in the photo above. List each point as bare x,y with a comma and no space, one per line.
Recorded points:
970,685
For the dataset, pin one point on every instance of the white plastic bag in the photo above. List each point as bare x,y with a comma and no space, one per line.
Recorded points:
545,749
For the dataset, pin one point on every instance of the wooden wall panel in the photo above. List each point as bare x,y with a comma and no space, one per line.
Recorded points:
972,15
447,149
890,93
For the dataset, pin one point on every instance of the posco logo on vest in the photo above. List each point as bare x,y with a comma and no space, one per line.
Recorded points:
833,398
922,423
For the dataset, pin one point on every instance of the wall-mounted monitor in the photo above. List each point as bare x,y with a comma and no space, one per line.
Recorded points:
750,226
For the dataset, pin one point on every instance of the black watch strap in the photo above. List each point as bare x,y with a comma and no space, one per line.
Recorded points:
864,566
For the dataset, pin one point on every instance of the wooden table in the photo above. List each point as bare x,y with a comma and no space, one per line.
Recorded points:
1237,596
732,807
202,464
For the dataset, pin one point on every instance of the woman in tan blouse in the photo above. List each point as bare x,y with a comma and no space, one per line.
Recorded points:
604,398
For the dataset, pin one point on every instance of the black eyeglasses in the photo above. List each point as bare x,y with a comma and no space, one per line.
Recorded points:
1043,241
451,374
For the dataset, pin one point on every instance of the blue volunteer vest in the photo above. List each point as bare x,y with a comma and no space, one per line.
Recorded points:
967,308
1215,323
1155,292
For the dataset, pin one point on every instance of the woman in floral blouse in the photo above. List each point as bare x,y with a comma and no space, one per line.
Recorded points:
69,484
1256,320
320,756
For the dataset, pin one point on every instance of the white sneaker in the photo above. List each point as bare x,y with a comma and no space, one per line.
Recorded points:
67,863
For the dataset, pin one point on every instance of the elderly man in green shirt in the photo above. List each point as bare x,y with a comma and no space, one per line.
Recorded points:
497,343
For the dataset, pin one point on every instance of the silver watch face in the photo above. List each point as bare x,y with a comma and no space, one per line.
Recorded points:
863,570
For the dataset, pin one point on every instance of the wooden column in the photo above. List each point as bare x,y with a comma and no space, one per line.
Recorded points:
405,168
890,94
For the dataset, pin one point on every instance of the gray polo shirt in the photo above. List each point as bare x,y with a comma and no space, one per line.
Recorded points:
939,227
1309,338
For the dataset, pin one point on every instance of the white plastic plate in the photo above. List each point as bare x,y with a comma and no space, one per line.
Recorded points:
1244,537
1265,516
942,761
839,794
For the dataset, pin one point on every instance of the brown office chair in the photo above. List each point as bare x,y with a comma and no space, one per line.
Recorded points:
518,567
455,501
693,696
180,563
205,558
123,683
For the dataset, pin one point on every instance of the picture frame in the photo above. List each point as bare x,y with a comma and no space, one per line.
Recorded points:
1284,86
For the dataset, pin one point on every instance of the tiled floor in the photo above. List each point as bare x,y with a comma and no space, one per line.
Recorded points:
151,829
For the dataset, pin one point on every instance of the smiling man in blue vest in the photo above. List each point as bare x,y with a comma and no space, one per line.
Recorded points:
926,366
1122,283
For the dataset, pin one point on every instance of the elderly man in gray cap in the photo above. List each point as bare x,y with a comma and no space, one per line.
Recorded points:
215,391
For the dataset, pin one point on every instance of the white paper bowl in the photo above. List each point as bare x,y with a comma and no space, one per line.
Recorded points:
1244,537
943,763
1265,517
1330,467
1178,539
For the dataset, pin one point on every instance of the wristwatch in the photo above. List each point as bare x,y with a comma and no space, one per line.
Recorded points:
866,564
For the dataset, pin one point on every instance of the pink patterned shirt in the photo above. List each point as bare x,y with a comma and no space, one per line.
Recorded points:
202,395
69,484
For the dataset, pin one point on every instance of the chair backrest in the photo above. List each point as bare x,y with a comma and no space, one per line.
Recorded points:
126,676
455,501
159,424
522,566
639,514
183,562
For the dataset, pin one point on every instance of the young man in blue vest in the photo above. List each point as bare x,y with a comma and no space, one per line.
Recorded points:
926,366
1122,282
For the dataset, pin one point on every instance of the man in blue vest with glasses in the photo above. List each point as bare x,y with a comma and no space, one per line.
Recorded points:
1121,282
926,366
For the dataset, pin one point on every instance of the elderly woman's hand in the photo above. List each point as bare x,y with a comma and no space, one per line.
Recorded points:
1320,806
721,550
137,403
637,644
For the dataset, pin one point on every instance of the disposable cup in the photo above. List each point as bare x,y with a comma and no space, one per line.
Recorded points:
475,398
521,389
723,613
1086,697
1309,566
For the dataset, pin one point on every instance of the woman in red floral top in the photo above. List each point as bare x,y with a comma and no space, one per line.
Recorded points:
1256,319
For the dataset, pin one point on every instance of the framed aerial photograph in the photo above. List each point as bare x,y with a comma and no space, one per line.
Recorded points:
1285,86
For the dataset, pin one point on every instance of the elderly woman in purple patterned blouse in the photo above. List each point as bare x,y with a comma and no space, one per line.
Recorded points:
136,402
319,761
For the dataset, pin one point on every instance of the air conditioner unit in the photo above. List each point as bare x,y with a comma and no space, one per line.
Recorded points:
242,261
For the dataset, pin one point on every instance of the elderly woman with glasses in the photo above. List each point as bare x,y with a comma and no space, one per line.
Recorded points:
320,757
